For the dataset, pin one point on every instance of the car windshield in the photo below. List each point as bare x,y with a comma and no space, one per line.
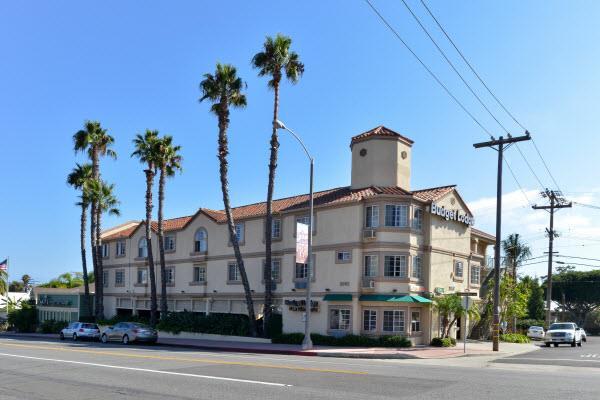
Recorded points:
535,327
562,326
89,326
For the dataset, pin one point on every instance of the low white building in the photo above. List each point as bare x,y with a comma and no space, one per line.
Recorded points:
381,249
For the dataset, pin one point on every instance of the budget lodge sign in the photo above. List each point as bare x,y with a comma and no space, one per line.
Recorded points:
451,215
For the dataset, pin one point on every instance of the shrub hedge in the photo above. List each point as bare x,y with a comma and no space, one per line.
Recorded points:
514,338
347,340
23,319
220,324
443,342
52,326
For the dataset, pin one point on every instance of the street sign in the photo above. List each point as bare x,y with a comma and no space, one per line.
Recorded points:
466,293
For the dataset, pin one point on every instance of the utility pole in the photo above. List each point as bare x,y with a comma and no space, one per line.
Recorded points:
557,201
501,144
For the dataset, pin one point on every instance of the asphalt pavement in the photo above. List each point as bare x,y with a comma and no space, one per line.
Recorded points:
588,355
36,369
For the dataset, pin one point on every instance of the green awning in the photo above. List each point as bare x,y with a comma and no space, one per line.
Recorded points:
394,298
337,297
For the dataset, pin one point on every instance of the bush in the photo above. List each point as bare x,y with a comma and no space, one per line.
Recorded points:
23,319
443,342
52,326
344,341
514,338
275,325
219,324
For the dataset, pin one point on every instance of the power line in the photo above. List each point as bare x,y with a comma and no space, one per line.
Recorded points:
434,76
587,205
518,184
545,165
581,258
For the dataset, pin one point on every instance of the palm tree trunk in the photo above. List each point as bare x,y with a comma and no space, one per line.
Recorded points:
223,151
450,325
98,300
100,285
86,284
151,271
161,245
269,217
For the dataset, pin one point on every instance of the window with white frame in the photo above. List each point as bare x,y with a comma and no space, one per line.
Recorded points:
170,275
120,248
396,215
104,250
142,248
105,278
119,278
417,221
417,267
169,243
275,270
239,232
393,321
301,271
415,321
233,273
276,228
475,274
369,320
371,216
458,269
342,256
199,273
371,265
200,241
142,276
395,266
339,319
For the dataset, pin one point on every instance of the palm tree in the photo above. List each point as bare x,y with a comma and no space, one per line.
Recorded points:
78,178
96,142
516,251
275,58
168,161
450,308
103,195
146,147
224,89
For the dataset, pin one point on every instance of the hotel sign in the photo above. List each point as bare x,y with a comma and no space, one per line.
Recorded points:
451,215
300,305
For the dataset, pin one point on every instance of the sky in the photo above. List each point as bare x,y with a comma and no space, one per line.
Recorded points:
136,65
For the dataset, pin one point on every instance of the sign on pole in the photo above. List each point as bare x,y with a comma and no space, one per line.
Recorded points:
301,243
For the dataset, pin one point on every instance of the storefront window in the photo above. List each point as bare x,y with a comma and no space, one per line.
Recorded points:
415,323
393,321
369,320
339,319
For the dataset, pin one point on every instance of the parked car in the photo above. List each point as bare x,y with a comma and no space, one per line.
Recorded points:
126,332
536,332
80,330
563,332
583,335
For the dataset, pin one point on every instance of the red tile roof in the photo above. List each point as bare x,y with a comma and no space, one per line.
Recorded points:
380,131
328,197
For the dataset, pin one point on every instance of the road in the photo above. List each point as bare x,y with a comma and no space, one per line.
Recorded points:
588,356
37,369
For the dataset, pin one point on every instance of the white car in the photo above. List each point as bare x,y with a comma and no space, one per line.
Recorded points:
563,332
80,330
536,332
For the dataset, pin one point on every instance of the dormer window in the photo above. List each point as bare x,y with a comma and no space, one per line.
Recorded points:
200,241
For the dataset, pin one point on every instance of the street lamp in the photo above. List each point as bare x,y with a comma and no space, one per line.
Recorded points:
307,342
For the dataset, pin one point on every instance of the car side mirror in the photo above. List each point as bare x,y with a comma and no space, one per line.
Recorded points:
577,329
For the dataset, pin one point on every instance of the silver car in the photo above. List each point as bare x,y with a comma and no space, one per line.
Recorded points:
80,330
126,332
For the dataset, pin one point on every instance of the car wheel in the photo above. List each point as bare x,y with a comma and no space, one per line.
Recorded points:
547,344
579,344
584,339
555,344
75,337
62,336
574,343
104,338
125,339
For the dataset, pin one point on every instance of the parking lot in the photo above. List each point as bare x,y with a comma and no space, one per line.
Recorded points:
588,355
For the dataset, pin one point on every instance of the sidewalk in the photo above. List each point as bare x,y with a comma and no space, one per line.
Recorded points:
474,348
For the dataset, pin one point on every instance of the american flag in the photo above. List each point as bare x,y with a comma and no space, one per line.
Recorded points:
4,265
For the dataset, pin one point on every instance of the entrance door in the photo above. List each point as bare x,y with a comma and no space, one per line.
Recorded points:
458,328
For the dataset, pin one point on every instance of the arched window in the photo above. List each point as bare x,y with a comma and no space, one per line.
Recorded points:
200,241
142,248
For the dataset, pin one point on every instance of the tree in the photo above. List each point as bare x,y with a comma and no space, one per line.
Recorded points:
96,142
535,303
146,147
224,90
16,286
25,279
580,291
450,308
79,178
168,161
272,61
516,251
102,194
68,280
513,299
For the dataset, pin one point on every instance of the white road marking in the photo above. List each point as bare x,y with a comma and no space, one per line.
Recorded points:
548,359
155,371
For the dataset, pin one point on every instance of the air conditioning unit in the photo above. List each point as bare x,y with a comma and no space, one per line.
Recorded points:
300,285
369,234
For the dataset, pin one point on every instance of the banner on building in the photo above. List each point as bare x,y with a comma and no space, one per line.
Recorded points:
301,243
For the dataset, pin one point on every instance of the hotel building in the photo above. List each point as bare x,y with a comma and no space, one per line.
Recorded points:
381,251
